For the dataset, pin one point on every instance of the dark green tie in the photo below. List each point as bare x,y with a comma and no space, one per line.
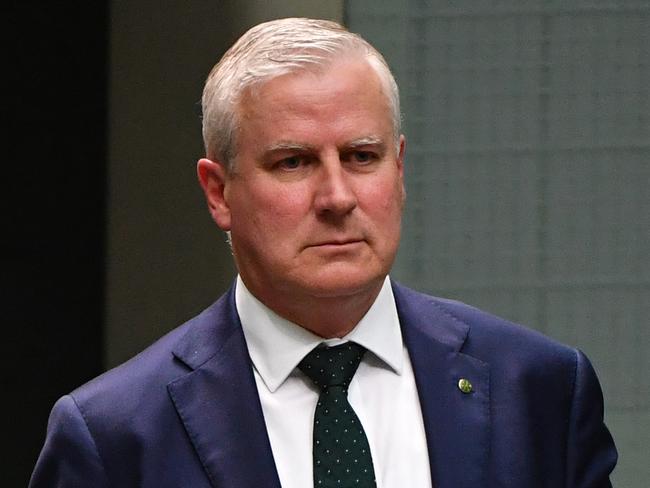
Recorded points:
341,453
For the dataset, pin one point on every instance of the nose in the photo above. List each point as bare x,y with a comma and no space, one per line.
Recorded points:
335,194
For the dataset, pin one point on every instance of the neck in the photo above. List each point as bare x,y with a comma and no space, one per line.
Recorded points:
327,317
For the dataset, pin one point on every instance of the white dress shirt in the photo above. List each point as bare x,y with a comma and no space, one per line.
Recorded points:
382,392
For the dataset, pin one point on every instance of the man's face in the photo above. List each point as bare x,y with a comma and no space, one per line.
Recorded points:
315,199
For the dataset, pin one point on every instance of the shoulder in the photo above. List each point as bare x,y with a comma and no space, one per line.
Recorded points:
141,382
111,430
147,372
503,344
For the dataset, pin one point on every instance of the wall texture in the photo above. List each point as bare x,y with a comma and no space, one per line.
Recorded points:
528,129
166,260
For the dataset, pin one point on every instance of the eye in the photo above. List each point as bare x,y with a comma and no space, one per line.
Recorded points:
363,157
291,163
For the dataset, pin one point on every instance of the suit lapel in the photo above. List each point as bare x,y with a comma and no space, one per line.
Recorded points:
456,423
218,404
218,401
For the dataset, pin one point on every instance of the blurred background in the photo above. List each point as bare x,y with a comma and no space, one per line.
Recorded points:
528,166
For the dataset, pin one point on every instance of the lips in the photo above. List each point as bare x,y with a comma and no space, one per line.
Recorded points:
336,243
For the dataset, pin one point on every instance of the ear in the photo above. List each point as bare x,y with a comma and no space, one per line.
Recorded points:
213,179
400,155
400,164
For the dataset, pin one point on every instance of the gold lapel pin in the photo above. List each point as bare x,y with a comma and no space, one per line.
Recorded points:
464,385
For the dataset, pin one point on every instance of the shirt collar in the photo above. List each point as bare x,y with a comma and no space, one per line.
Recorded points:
276,345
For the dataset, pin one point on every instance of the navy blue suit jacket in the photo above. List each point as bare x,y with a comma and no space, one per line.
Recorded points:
186,413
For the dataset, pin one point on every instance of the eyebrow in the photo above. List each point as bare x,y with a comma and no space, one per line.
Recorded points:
288,146
296,146
366,141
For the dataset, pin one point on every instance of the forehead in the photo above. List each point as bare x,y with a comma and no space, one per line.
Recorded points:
340,98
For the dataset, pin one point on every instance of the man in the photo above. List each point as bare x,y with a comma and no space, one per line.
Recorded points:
304,170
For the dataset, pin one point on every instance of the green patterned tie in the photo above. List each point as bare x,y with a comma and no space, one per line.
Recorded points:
342,456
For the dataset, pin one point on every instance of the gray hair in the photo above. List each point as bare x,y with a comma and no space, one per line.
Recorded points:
270,50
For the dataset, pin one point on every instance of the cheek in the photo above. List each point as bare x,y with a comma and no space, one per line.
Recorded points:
385,199
278,210
286,207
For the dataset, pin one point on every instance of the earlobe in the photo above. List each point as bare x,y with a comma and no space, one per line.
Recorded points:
213,179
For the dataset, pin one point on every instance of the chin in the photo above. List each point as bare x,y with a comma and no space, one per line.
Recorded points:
340,284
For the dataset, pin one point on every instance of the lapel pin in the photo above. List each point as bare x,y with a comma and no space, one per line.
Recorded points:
464,385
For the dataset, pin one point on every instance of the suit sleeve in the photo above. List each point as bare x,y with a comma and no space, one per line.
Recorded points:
591,451
69,457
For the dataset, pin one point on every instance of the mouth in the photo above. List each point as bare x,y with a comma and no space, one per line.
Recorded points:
337,243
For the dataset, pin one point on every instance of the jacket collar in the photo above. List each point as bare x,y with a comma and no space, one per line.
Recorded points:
456,423
217,401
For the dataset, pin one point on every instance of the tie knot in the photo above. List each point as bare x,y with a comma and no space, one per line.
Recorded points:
332,366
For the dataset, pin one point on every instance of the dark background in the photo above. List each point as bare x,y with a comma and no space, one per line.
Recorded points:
52,247
108,243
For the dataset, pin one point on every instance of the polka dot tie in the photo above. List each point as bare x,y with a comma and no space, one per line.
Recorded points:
341,452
